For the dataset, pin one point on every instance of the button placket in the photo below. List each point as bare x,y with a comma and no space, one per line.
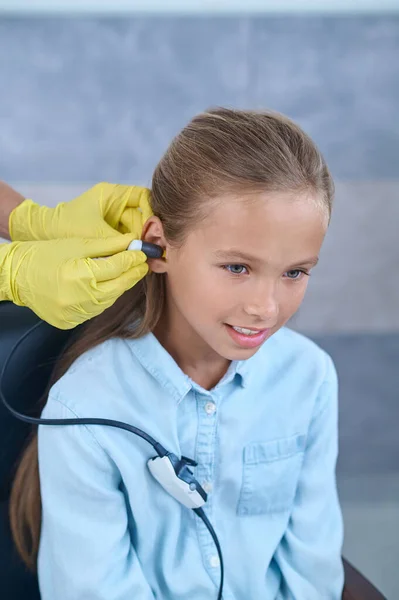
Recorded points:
210,408
207,486
205,455
214,561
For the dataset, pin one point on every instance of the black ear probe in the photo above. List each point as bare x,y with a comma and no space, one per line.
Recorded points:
172,473
149,249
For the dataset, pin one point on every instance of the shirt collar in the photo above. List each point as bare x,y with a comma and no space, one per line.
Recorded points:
160,364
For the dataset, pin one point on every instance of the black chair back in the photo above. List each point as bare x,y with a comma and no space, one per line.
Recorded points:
25,382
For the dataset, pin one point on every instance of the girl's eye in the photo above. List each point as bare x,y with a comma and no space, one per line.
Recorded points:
293,275
226,267
296,274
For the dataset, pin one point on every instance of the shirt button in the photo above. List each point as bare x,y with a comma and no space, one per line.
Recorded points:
210,408
214,561
207,486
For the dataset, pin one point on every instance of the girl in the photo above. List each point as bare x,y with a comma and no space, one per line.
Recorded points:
241,203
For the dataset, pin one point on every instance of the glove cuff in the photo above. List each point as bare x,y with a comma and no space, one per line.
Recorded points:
7,280
26,222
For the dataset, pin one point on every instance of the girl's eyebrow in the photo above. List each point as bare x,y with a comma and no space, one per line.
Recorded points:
233,253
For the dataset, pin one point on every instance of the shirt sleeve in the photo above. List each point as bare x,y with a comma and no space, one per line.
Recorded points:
85,547
309,554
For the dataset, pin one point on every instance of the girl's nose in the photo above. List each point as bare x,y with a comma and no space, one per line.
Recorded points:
264,309
268,317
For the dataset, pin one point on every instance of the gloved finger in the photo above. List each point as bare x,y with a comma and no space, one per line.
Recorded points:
131,221
106,269
139,197
124,282
104,230
95,248
145,205
113,200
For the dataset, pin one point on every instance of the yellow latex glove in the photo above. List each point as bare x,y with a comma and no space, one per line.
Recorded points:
60,281
102,211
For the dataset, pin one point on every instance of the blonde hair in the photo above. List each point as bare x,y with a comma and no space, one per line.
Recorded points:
221,150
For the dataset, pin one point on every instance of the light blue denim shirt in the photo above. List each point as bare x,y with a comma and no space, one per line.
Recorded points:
265,439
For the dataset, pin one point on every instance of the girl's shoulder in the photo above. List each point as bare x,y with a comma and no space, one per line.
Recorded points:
293,349
295,341
95,375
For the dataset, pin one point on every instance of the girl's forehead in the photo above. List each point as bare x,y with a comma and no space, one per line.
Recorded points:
273,217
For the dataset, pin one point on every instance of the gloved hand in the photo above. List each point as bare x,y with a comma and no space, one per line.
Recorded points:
60,281
102,211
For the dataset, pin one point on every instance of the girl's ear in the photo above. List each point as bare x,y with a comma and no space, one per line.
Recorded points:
153,232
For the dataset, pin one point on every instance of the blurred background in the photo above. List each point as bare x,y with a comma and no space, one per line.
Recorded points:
94,91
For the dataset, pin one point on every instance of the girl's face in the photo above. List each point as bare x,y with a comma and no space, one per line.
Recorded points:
210,286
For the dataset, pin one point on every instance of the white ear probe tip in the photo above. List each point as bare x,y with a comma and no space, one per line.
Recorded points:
135,245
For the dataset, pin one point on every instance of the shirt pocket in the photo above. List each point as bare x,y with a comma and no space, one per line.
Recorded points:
270,475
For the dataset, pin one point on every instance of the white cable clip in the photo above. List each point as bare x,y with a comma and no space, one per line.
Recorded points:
177,479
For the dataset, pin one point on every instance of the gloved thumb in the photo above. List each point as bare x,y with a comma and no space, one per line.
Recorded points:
97,248
112,267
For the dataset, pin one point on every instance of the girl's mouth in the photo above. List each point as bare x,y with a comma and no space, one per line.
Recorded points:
247,341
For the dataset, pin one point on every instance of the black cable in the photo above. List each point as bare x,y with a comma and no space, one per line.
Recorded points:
78,421
200,512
